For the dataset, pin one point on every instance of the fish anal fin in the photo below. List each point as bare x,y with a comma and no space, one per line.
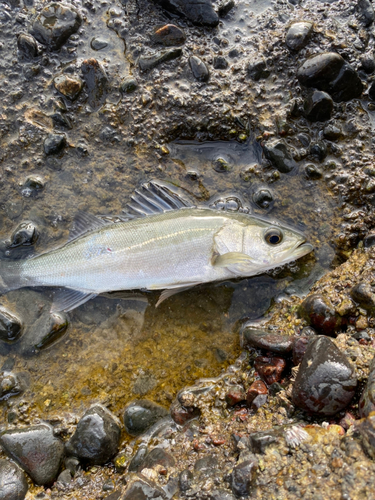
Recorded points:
165,294
84,223
67,299
232,258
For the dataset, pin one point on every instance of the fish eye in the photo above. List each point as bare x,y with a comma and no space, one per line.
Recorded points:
273,236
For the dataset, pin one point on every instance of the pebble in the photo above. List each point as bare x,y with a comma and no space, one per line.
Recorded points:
235,395
199,12
98,43
185,480
263,198
207,465
368,64
96,438
363,294
332,132
270,369
64,478
318,106
9,385
69,86
298,35
279,155
260,339
326,380
60,120
36,450
140,488
220,62
54,143
367,402
169,35
257,70
299,349
54,25
181,414
259,441
13,483
369,240
199,69
96,81
256,389
27,46
147,63
225,7
157,456
51,331
138,458
243,477
365,12
10,326
318,313
129,85
220,495
313,172
140,415
330,73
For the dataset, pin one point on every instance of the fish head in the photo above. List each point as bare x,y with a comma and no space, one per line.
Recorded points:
271,245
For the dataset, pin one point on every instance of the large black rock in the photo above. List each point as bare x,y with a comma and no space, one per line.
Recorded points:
326,380
198,11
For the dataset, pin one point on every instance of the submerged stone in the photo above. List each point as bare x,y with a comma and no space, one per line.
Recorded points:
199,12
96,81
141,415
199,69
9,385
54,143
270,369
365,12
318,106
54,25
25,234
53,330
257,69
279,155
279,344
243,477
168,35
225,7
330,73
129,85
69,86
98,43
318,313
147,63
13,483
140,488
257,388
36,450
298,35
10,326
363,294
27,46
158,456
96,438
366,429
263,198
326,381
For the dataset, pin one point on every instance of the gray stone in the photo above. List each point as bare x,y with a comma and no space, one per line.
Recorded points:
54,144
199,12
140,415
36,450
13,483
147,63
27,46
199,69
298,35
10,326
278,154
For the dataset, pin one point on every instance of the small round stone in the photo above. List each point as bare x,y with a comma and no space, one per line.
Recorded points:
129,85
298,35
98,43
199,69
313,172
169,35
69,86
13,483
141,415
27,46
10,326
318,106
263,198
316,310
54,143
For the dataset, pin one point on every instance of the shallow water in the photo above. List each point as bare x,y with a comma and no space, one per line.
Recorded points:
118,349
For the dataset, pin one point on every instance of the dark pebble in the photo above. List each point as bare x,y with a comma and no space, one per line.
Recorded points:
147,63
299,349
318,150
27,46
53,329
72,464
313,172
326,380
96,82
270,369
64,478
363,294
9,385
54,25
221,165
279,155
369,240
243,477
263,198
54,143
140,488
169,35
225,7
10,326
371,91
257,70
368,64
320,314
61,120
13,483
257,388
98,43
330,73
137,460
199,12
129,85
275,388
365,12
185,480
259,441
220,62
158,456
96,438
199,69
258,401
36,450
181,415
318,106
141,415
367,402
207,465
260,339
332,132
298,35
235,395
69,86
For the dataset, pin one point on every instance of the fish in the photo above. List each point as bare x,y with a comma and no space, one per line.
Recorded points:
162,242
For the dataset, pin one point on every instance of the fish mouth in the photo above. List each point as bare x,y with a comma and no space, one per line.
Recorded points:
302,249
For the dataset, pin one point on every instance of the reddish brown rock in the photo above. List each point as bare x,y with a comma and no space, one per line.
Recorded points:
257,388
299,349
270,369
235,395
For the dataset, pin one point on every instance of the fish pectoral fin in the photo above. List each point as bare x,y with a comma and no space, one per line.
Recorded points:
165,294
231,259
67,299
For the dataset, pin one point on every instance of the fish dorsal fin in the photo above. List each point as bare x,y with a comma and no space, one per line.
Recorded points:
67,299
154,198
84,223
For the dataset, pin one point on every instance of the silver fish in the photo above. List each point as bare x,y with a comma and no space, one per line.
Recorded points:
169,245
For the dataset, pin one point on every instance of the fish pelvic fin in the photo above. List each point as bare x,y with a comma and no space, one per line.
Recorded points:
67,299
